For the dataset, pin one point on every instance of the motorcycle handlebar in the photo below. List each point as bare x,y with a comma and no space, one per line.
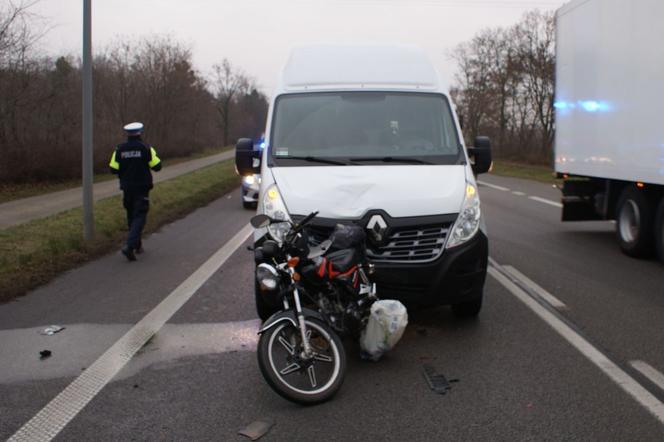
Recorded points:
306,219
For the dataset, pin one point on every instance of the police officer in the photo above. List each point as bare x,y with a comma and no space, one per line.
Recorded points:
132,162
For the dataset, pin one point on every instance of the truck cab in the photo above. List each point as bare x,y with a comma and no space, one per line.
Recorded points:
368,135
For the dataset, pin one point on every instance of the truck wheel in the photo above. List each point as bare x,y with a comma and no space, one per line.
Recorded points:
468,309
634,218
659,230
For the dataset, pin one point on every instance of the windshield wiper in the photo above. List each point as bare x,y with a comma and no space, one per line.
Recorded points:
410,160
313,160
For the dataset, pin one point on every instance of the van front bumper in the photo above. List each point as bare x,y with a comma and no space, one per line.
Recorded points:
457,276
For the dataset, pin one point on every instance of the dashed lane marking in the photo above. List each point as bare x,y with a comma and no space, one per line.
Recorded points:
545,201
630,385
493,186
46,424
650,372
519,193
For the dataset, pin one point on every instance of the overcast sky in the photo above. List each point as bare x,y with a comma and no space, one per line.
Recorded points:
256,34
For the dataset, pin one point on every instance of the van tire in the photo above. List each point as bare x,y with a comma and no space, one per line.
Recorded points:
634,223
659,230
469,309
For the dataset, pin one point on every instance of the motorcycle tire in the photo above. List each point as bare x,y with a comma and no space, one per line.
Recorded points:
299,381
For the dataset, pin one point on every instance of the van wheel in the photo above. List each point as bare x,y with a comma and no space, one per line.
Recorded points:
659,230
634,219
468,309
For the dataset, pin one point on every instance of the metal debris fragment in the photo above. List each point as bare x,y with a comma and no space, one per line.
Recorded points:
256,429
437,382
51,330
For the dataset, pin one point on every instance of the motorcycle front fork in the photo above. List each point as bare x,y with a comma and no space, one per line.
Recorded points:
300,318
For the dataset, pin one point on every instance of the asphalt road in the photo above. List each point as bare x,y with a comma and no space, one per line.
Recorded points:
198,379
40,206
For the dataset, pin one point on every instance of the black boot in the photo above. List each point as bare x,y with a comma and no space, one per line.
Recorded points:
139,248
128,253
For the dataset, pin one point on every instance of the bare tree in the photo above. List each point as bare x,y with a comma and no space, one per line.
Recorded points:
227,83
505,86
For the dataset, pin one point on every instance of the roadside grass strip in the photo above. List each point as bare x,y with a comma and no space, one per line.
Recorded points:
553,318
46,424
32,254
543,174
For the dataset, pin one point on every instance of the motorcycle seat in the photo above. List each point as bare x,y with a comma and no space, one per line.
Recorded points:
343,260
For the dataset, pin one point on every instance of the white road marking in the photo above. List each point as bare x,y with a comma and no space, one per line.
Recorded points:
46,424
519,193
650,372
546,296
615,373
493,186
545,201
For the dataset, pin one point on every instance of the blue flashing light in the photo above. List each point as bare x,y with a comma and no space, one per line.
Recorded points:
262,145
560,105
593,106
590,106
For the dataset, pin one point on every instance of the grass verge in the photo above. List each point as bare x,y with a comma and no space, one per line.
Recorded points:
539,173
32,254
10,192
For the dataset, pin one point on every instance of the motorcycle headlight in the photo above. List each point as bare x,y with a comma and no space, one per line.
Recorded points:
267,277
274,207
468,222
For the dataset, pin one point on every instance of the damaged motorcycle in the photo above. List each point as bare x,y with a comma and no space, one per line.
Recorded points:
325,293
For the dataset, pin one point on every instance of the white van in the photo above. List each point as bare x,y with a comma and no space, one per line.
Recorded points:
367,134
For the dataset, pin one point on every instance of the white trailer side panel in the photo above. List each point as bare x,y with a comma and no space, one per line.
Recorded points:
610,89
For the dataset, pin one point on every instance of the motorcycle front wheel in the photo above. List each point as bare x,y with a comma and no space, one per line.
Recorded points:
306,381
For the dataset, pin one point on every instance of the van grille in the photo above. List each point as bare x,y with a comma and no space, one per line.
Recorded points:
412,245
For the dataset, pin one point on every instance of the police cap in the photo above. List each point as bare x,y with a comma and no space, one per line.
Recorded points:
135,128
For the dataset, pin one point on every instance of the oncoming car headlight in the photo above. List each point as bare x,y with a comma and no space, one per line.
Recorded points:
274,207
267,277
468,222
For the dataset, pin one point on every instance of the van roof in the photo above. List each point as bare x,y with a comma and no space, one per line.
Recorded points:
333,67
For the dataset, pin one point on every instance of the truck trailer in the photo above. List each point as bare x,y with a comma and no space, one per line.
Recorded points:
609,101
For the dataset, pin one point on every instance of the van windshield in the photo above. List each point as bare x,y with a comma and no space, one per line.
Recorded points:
364,128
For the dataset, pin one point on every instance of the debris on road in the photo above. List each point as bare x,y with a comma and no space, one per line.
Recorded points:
45,354
256,429
51,330
437,382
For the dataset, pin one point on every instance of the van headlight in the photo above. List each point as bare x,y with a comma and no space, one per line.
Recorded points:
274,207
468,222
267,277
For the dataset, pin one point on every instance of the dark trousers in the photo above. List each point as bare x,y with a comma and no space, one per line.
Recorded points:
137,204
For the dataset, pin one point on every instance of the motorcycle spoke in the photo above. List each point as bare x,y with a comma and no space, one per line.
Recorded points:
287,345
290,369
322,358
312,376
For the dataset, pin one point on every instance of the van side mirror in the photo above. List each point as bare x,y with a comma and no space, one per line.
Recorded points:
481,155
247,160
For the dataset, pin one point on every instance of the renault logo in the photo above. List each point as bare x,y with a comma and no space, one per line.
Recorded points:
377,228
